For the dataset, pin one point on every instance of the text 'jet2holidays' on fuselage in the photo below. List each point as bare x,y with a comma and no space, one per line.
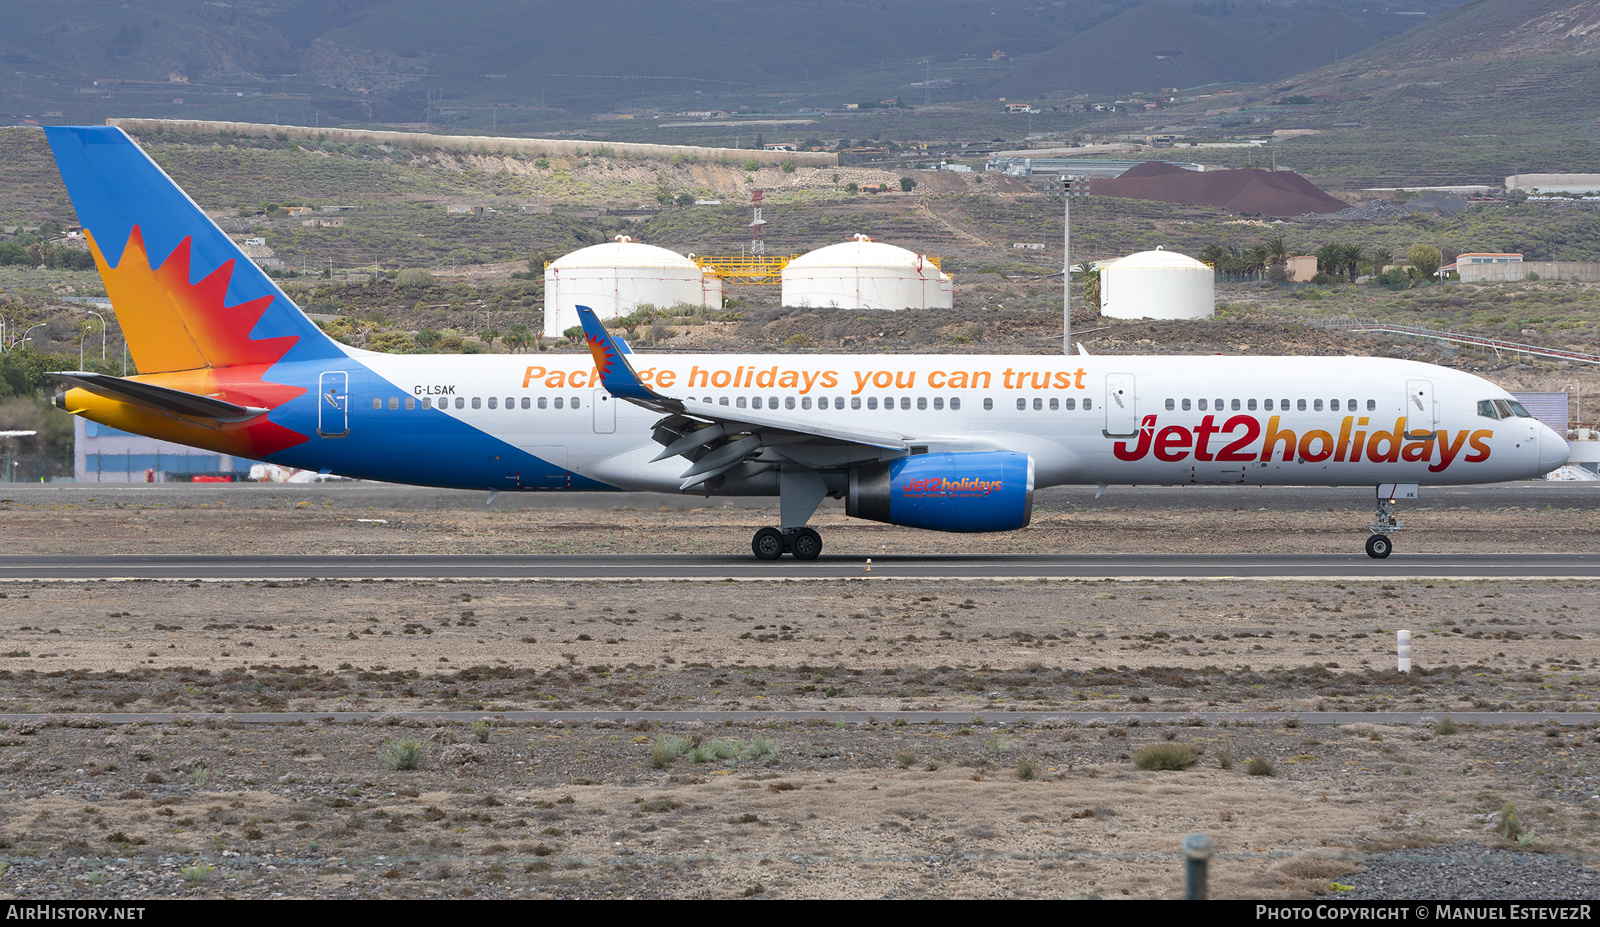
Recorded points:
227,362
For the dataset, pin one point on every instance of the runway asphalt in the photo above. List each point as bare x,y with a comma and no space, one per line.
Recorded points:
692,567
364,495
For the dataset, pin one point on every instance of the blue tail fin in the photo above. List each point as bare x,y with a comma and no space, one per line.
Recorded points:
185,294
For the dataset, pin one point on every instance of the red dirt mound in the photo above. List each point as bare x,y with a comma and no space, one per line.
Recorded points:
1272,193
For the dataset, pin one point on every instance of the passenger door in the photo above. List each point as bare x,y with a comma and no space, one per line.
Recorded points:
333,408
1122,412
1422,412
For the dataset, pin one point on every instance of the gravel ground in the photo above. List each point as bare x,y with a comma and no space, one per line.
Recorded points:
1472,873
787,809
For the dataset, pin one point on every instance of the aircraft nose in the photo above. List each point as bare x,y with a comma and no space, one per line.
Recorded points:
1553,450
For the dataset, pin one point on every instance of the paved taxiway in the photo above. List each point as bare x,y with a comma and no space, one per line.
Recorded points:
682,567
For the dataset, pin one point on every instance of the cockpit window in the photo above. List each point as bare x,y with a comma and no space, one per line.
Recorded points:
1487,410
1504,408
1518,410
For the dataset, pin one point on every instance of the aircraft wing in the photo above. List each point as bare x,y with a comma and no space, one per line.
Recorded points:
720,441
160,398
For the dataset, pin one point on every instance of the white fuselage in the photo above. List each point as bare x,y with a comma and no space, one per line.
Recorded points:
1099,419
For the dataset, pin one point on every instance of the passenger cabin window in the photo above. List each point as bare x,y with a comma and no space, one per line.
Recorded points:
1300,405
1171,404
872,402
788,402
1073,404
1372,405
938,403
955,403
542,402
988,404
1186,405
494,402
1021,404
558,402
1316,406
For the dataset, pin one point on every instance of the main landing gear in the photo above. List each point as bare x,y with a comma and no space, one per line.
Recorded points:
770,543
1384,524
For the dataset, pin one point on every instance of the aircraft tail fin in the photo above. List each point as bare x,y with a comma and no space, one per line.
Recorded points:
186,296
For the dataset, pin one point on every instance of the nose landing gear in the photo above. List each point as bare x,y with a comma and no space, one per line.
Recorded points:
1380,545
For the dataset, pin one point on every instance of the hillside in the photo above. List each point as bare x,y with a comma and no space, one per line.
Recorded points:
1487,89
1160,44
526,62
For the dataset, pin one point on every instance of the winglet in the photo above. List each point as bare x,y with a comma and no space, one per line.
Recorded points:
610,359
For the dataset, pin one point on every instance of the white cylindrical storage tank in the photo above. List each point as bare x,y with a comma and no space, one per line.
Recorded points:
616,277
865,274
1157,285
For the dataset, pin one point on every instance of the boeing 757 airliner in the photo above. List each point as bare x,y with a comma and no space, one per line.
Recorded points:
227,362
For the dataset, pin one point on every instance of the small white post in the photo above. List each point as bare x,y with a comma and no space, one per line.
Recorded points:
1403,645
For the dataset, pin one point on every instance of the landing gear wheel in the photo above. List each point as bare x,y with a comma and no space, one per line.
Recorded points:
1379,546
768,544
805,544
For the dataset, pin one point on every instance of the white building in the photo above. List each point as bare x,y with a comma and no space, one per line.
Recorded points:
1157,285
616,277
865,274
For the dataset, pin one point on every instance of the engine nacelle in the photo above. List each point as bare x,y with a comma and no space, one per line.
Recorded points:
987,491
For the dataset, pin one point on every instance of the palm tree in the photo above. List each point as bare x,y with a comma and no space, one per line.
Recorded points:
1329,257
1089,278
1352,260
1380,258
1256,259
1277,251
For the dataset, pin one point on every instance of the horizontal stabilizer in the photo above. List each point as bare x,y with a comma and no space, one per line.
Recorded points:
170,401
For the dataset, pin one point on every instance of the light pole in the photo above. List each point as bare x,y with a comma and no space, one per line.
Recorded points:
102,338
25,334
1577,426
1067,186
